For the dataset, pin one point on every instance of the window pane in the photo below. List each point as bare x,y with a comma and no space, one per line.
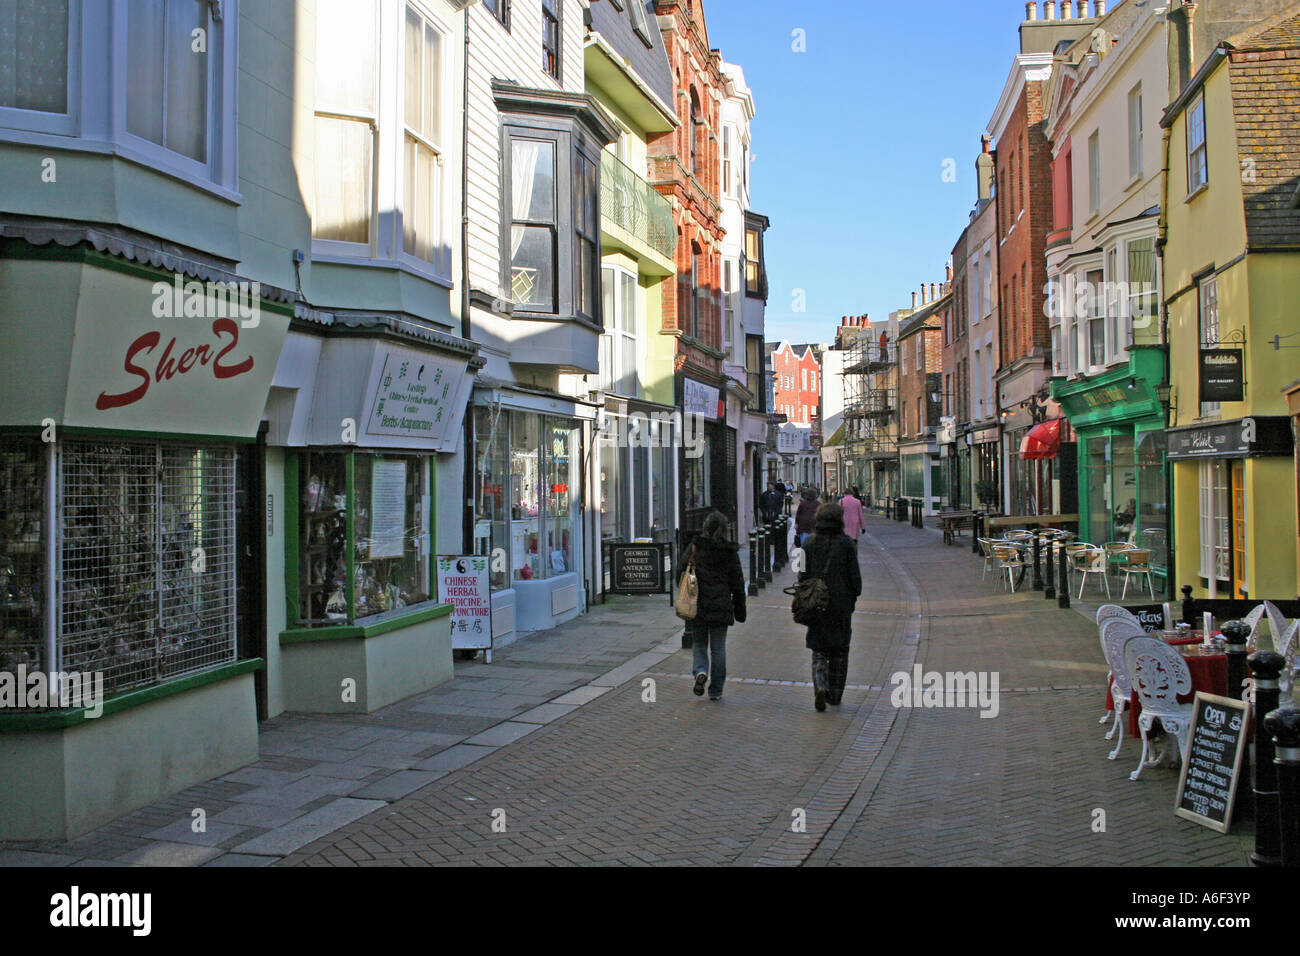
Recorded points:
432,116
585,295
343,170
345,56
391,566
187,80
34,55
627,285
413,87
146,25
491,435
611,495
419,208
532,267
525,473
608,278
532,178
628,385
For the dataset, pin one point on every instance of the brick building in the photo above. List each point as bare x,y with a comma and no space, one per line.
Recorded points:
685,166
920,386
797,386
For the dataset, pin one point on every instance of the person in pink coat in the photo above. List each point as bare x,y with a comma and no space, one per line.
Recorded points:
855,519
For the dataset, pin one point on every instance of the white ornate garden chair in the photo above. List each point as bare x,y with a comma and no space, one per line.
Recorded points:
1159,675
1105,614
1115,636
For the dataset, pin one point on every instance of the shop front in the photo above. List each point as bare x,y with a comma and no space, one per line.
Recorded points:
708,457
1292,393
365,420
1119,423
1234,491
528,496
984,444
131,549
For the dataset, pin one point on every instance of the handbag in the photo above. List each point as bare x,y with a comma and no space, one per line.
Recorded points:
688,592
811,596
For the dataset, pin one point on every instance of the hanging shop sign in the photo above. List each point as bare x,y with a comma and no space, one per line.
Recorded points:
701,399
1243,438
414,394
1222,375
463,583
124,357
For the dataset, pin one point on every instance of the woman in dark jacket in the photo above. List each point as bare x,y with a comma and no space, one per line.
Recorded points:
831,555
721,602
806,515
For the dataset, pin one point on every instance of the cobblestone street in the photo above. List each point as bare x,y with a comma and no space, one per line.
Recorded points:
555,743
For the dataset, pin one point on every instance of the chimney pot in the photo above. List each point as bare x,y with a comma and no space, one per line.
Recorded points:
913,300
1083,9
1031,11
1049,9
1101,8
986,142
1067,10
934,292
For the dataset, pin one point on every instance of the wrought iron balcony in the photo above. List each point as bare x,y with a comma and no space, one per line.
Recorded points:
630,203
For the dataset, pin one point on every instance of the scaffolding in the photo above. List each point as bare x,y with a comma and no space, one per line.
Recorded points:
871,415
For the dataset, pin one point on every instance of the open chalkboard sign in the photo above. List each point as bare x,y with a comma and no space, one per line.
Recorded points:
1216,744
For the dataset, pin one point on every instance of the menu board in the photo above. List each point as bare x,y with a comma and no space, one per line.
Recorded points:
1212,763
637,569
387,508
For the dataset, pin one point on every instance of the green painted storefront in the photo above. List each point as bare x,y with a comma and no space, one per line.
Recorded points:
1123,473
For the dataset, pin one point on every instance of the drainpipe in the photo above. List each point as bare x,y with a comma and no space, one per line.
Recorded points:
1162,239
466,332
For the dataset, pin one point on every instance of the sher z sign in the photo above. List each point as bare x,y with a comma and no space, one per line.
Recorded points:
221,355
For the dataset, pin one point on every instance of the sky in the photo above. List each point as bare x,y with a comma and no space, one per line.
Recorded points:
850,140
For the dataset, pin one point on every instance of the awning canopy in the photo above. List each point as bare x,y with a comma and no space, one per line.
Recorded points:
1042,441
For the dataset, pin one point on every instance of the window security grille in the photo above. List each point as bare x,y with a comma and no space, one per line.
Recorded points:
147,560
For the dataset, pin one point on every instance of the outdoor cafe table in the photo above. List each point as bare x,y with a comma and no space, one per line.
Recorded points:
1208,668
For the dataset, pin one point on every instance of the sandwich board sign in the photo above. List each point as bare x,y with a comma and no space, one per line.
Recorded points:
1216,743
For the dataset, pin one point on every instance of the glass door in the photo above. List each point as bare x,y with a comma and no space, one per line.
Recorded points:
1238,529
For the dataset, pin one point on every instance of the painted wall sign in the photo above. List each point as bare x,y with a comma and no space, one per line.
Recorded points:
1243,438
1222,375
463,583
700,399
414,394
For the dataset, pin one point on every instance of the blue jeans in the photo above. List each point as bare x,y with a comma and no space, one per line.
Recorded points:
710,641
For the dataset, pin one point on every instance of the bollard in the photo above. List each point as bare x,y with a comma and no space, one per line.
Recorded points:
1284,727
1038,560
976,531
1049,592
753,563
1237,633
765,571
1264,668
1063,567
1189,606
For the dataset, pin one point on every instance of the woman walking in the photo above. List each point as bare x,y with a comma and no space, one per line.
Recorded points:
721,603
806,514
832,556
855,518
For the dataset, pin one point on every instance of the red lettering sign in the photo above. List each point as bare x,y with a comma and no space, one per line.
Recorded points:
169,366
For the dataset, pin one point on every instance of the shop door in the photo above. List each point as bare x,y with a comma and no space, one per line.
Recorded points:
1238,529
251,517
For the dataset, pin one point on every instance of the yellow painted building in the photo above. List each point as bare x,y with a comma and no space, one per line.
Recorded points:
1230,232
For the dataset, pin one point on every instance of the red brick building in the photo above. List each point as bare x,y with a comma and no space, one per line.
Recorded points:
685,166
796,383
920,398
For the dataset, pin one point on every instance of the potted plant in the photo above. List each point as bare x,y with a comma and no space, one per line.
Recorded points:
987,492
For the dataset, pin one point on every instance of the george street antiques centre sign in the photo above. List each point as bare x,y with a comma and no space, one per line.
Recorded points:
637,568
1222,375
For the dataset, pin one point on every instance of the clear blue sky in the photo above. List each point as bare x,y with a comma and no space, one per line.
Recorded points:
850,139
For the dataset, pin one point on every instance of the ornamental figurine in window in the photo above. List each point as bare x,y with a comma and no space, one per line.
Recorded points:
336,609
313,493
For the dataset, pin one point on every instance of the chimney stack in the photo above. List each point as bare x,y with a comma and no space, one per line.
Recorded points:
1049,9
1031,11
1101,8
913,301
949,271
934,293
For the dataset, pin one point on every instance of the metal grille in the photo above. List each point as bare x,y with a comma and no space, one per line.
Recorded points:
147,560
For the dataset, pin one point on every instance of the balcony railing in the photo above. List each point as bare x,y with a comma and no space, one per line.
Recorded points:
630,203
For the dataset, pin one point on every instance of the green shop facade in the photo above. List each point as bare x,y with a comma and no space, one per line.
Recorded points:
1120,423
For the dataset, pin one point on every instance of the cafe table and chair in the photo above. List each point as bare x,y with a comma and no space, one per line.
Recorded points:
1115,633
1137,562
1091,561
1160,675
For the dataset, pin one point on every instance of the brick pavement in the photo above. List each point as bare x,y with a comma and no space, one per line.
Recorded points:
556,741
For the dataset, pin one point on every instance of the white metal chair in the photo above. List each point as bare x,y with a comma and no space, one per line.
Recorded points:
1114,549
1115,635
1137,561
1105,614
986,548
1091,561
1159,674
1276,621
1253,620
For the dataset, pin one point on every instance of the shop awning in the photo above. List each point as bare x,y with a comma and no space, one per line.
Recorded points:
1042,441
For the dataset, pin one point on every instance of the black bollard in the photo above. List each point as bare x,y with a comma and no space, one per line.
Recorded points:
1063,567
1049,592
765,571
753,563
1189,606
1284,727
976,531
1264,668
1038,560
782,544
1237,633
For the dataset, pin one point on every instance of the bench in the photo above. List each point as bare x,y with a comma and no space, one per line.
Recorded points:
951,522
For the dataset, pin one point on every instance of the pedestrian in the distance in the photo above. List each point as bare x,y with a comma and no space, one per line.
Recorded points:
721,603
769,502
806,514
855,517
832,556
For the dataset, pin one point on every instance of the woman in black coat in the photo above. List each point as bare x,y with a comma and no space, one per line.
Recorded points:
831,555
721,603
805,516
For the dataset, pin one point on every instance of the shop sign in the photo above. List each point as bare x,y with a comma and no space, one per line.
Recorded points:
1211,773
1244,438
415,395
755,431
700,399
463,583
1222,375
135,366
984,436
637,568
1101,396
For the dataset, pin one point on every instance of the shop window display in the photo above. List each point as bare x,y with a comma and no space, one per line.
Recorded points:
22,554
492,510
1153,509
379,502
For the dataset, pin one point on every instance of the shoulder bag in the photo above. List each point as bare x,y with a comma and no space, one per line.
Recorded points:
688,591
812,598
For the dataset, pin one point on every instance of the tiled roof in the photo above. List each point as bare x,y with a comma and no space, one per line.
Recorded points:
1265,75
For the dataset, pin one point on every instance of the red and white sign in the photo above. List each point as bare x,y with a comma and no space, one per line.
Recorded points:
463,583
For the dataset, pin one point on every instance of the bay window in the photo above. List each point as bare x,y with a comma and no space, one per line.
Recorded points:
1143,293
167,75
533,228
423,137
1114,302
35,38
1096,319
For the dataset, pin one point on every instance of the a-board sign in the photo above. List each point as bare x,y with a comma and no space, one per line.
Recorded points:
637,569
463,583
1216,743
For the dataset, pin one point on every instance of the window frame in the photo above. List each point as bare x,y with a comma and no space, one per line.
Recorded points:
636,13
57,124
1197,105
501,14
1135,132
1094,173
553,12
439,214
1207,301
